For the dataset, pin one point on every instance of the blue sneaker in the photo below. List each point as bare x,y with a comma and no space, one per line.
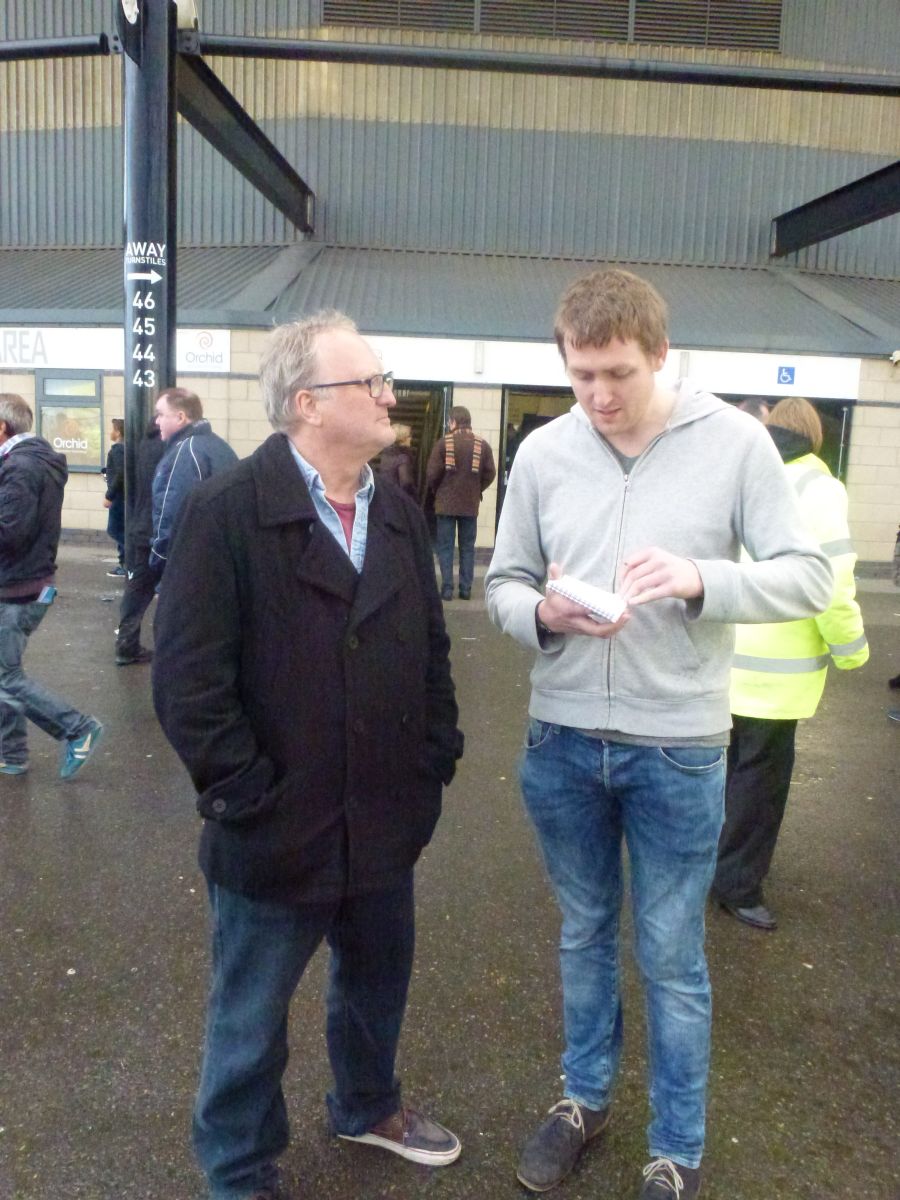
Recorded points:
13,768
79,750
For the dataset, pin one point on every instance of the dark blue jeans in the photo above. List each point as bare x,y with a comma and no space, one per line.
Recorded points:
21,698
448,528
260,951
584,796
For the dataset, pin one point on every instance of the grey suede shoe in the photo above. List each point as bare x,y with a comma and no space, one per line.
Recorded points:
667,1180
555,1146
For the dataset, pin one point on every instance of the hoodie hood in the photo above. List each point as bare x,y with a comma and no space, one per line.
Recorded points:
38,448
790,444
691,404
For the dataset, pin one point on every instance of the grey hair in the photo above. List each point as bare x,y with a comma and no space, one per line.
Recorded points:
289,362
16,413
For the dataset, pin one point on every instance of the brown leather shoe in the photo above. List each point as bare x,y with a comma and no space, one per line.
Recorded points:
412,1136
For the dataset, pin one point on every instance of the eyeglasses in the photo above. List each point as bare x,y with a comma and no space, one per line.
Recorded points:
375,383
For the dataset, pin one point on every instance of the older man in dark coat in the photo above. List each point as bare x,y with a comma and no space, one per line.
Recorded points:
302,675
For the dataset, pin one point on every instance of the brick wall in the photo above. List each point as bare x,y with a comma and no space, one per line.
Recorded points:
873,475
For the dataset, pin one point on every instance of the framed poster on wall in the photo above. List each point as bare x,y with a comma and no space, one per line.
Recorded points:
70,416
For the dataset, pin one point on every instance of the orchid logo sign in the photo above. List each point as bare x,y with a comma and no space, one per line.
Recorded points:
204,350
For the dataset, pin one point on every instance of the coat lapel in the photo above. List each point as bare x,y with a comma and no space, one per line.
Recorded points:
384,566
283,499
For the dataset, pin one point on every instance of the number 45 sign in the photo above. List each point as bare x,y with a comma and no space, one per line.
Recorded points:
143,305
144,326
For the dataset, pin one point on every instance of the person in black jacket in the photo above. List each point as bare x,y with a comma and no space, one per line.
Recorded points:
114,500
302,675
397,463
140,582
32,479
193,452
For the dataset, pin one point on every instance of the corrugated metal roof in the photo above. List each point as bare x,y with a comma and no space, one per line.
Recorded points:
454,295
514,298
91,281
869,294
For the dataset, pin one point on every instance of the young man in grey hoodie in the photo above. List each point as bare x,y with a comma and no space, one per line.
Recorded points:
649,491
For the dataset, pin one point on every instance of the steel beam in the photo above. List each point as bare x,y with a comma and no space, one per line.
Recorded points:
206,103
858,203
645,70
75,47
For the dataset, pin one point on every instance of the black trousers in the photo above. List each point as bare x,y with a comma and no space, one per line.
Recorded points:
760,763
140,587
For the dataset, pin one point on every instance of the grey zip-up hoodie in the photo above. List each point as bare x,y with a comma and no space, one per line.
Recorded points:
710,483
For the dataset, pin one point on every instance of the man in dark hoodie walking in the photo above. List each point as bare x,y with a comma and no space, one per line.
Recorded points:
32,479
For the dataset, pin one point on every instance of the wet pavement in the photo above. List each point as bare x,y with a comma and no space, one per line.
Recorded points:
103,959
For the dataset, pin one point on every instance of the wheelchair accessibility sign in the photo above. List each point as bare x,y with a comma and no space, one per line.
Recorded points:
786,376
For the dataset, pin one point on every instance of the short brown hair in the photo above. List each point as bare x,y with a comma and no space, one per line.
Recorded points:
184,401
611,304
118,424
15,413
461,415
798,414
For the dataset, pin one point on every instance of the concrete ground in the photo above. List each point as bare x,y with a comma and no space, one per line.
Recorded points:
103,959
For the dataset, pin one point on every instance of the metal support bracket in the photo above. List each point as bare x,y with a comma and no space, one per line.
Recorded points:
206,103
858,203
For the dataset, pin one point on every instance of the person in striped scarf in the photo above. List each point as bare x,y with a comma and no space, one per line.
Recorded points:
460,469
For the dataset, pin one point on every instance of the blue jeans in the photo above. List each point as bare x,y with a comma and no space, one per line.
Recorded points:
583,795
448,528
21,699
260,951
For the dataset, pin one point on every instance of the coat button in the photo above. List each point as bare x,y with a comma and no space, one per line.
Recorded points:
352,642
359,725
219,806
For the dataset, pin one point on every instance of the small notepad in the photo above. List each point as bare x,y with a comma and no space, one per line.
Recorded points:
602,605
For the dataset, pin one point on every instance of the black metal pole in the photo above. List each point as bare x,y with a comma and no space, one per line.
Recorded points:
646,70
74,47
150,220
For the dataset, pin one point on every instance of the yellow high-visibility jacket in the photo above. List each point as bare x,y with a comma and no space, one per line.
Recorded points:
779,670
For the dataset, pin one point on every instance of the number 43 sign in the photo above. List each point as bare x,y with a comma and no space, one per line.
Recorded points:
143,326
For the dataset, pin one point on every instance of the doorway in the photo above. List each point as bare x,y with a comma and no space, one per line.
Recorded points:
424,408
524,410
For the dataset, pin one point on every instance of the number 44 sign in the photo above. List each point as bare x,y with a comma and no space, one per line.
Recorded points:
143,326
142,304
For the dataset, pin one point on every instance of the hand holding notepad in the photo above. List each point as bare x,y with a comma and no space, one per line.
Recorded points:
601,605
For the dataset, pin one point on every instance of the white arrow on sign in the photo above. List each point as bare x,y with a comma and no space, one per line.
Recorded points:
151,275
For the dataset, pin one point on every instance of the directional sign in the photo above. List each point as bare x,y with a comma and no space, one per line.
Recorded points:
151,275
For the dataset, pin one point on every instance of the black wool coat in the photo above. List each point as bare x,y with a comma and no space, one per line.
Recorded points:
313,706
